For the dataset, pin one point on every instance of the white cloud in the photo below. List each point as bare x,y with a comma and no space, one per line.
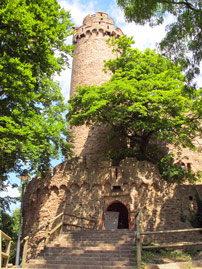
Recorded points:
64,80
116,13
12,192
199,80
78,11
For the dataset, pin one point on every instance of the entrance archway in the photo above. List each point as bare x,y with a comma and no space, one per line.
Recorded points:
122,216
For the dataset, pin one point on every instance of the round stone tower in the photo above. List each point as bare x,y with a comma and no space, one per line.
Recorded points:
91,50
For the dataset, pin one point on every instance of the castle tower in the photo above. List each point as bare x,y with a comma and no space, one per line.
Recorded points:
91,50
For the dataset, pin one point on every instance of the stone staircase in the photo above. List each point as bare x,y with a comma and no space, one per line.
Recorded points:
83,249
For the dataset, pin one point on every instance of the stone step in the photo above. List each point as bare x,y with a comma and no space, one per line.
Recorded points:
73,265
87,256
97,236
80,261
84,242
105,231
79,253
90,244
79,266
99,232
92,250
100,238
108,235
119,231
88,249
99,244
107,239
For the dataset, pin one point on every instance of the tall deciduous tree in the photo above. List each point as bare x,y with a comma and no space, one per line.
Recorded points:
184,36
145,99
32,50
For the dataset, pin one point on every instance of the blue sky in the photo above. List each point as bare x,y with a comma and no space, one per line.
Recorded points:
144,36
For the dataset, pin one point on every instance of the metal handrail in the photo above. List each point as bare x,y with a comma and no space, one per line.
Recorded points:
4,255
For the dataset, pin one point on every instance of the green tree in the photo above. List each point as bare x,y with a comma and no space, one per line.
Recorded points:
183,40
9,224
145,100
32,50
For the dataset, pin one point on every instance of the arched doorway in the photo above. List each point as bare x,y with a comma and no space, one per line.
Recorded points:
121,213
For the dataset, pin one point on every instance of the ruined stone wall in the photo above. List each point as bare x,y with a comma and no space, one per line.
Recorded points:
191,159
80,189
91,50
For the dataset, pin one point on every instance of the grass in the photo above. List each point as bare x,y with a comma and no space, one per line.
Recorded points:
165,255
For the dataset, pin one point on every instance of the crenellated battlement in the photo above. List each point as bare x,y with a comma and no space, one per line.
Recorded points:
98,24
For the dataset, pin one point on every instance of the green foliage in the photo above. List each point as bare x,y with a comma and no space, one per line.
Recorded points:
173,172
145,101
183,35
157,256
32,49
10,226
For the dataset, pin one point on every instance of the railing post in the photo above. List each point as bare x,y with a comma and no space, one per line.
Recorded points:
47,235
0,249
8,252
138,241
24,254
62,223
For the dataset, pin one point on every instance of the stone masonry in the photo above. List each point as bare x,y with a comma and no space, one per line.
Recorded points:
91,50
90,185
86,191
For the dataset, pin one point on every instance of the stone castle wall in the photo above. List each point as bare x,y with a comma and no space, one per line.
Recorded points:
78,188
192,160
